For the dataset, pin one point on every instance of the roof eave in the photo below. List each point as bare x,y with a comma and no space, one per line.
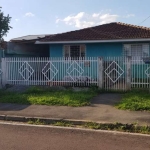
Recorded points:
94,41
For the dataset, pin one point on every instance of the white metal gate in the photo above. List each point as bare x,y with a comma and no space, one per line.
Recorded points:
115,73
140,73
52,71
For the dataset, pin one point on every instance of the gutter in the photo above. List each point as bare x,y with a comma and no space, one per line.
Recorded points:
95,41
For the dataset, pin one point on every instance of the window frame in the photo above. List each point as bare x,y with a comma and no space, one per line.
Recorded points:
128,52
70,51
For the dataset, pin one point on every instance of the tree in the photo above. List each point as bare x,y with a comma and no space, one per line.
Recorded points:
4,25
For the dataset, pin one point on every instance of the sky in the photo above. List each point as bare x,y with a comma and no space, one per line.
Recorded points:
32,17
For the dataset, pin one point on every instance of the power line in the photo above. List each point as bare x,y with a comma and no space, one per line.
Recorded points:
144,20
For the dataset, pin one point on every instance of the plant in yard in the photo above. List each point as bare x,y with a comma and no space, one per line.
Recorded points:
136,100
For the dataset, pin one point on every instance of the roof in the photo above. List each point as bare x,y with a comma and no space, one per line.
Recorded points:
29,38
111,31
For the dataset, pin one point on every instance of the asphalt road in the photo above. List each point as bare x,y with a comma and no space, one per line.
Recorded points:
13,137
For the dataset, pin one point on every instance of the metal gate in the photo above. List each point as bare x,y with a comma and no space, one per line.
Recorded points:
52,71
115,73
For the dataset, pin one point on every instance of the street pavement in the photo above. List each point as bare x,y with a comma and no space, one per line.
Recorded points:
20,137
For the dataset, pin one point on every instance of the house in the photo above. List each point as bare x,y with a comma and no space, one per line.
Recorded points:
107,40
72,57
113,39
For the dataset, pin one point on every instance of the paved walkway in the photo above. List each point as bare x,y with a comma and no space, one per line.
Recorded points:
101,110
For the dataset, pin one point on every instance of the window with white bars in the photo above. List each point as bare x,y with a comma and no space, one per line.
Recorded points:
136,51
74,51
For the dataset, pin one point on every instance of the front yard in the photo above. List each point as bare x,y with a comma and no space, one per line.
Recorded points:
137,100
39,96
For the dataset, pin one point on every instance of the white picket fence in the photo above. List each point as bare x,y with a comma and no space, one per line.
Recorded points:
109,73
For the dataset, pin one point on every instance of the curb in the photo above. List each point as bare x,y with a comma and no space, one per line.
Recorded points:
53,120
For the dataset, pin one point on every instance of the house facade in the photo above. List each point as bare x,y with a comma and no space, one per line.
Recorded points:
116,49
108,40
76,57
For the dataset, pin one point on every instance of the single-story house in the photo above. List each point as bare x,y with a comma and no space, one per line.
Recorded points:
113,39
107,40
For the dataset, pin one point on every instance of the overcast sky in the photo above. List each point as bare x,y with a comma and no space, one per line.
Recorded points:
30,17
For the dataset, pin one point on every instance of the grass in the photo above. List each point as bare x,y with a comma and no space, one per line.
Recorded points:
36,122
132,128
63,123
39,96
58,123
137,100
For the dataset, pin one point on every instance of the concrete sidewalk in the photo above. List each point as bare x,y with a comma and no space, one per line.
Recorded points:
101,110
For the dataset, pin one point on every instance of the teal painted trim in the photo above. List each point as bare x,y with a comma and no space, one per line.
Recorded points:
56,50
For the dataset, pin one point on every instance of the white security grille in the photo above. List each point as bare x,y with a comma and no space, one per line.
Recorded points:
136,51
147,71
139,73
75,69
114,73
114,67
26,71
53,71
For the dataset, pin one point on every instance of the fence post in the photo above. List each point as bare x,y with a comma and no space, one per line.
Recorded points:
128,77
100,72
4,79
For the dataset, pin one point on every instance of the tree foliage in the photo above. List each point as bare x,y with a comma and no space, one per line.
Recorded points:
4,25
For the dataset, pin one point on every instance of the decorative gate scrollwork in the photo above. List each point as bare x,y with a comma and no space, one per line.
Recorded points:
114,67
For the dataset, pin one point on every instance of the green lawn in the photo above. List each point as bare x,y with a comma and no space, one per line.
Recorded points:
41,96
136,100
